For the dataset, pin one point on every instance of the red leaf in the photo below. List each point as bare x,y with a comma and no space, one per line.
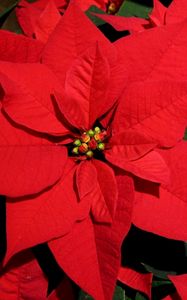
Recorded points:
151,166
131,144
17,48
109,238
158,14
92,259
29,164
107,183
156,108
40,5
74,33
76,253
163,212
180,283
167,45
46,216
28,99
24,278
135,280
85,94
29,14
47,22
86,178
90,193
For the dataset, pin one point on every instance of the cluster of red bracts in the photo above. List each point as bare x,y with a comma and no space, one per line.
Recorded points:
55,86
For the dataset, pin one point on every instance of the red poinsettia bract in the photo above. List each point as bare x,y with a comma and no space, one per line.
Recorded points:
38,19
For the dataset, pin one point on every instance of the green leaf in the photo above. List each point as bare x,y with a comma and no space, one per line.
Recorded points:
157,283
130,8
127,298
97,21
140,297
11,23
159,273
119,294
7,6
185,135
84,296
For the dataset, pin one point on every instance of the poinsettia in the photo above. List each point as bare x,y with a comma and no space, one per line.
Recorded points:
39,18
52,194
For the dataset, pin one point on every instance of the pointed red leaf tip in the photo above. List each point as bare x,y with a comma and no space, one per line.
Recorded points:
135,280
43,217
19,152
76,253
86,89
17,48
94,193
29,101
175,13
47,22
109,237
23,276
180,283
158,14
156,109
163,210
131,144
167,45
29,14
73,34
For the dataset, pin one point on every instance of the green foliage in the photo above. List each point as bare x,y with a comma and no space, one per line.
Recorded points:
140,297
157,283
94,9
118,295
84,296
159,273
131,8
8,20
185,135
7,6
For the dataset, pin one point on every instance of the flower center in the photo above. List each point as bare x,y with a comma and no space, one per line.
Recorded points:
90,143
